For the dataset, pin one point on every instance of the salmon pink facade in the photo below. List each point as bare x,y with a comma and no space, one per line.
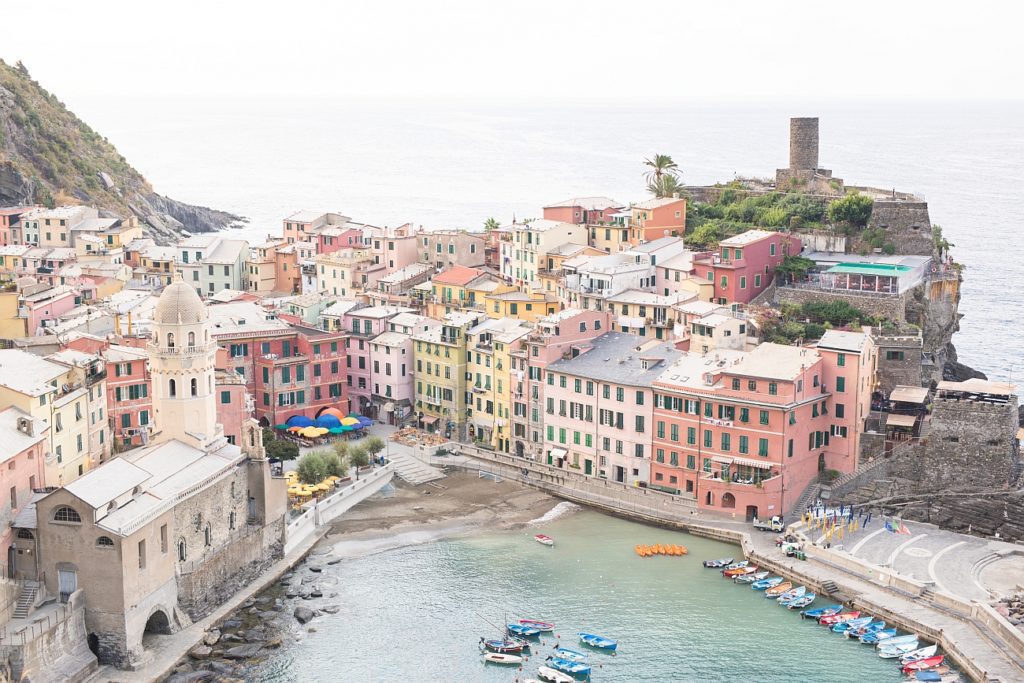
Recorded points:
583,210
745,264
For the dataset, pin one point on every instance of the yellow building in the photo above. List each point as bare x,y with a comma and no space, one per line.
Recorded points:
347,272
440,355
158,263
13,325
12,260
528,306
68,400
489,373
460,288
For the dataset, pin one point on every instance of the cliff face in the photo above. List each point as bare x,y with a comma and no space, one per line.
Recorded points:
49,156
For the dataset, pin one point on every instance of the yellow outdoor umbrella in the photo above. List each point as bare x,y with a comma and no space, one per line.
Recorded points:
349,421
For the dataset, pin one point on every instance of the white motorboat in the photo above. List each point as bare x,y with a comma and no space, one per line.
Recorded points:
499,658
546,673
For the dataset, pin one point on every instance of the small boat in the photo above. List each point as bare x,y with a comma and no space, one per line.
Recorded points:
546,673
937,675
597,641
878,636
778,589
922,653
544,539
923,664
844,626
715,564
740,571
897,651
542,626
870,627
500,658
801,602
898,640
765,584
834,619
569,666
642,550
750,578
504,645
571,655
735,565
522,630
792,593
820,612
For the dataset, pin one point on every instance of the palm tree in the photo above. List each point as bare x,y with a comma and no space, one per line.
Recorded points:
668,185
660,164
491,224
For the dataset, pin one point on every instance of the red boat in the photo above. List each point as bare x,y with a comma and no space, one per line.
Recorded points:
540,625
834,619
545,540
740,571
923,664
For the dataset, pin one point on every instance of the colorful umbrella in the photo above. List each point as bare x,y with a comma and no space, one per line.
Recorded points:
349,421
300,421
336,430
281,426
328,421
358,425
346,428
295,430
331,411
365,421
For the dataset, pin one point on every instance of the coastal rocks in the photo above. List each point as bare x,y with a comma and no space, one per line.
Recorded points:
331,609
200,652
191,677
243,651
303,614
212,637
1013,609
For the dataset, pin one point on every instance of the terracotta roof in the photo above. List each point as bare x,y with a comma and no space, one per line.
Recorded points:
457,275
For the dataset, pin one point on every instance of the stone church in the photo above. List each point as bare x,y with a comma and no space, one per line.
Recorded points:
163,534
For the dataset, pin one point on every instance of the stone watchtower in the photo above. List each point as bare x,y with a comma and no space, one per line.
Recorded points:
803,174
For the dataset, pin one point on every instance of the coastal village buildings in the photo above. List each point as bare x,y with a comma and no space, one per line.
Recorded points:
489,373
445,249
441,379
130,404
363,325
530,243
744,265
210,263
24,449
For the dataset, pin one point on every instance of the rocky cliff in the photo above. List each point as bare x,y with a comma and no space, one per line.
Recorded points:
49,156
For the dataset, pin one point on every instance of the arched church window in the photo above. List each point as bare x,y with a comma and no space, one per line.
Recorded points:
172,388
182,550
195,387
208,534
191,339
170,340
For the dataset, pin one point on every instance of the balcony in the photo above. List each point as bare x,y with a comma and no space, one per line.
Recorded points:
95,377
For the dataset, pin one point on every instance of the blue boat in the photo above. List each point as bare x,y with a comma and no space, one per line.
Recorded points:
864,630
790,594
568,666
820,612
571,655
600,642
522,630
801,602
765,584
844,626
716,564
504,645
878,636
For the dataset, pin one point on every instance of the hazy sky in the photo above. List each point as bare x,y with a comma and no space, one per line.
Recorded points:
481,48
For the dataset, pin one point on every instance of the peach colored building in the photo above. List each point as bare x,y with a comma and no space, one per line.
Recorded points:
583,210
23,451
657,218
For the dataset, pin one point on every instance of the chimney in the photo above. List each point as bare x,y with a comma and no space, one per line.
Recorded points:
25,426
803,144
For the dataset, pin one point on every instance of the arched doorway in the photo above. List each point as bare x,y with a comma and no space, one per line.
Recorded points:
520,449
264,422
821,463
94,643
728,500
158,624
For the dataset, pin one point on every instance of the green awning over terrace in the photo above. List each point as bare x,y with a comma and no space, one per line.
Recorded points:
868,269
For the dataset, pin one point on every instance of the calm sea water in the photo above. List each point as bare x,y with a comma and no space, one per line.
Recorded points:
416,614
453,164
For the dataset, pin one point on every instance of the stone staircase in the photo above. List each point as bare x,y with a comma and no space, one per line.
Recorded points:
414,471
809,495
26,599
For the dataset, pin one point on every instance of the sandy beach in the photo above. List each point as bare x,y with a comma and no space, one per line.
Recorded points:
459,504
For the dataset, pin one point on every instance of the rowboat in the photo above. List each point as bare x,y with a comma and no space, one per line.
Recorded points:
838,617
939,674
750,578
544,540
739,571
844,626
801,602
922,653
792,593
870,627
569,666
504,645
597,641
923,664
765,584
542,626
895,651
735,565
571,655
778,589
499,658
522,630
878,636
715,564
898,640
820,612
546,673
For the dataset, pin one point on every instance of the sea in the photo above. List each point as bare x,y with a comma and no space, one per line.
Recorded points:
417,614
455,163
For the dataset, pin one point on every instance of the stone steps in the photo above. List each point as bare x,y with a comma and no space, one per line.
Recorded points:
26,599
413,471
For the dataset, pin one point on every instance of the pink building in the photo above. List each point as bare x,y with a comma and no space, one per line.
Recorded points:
598,407
363,325
556,336
745,264
583,210
22,469
234,405
129,401
48,304
395,248
391,366
332,239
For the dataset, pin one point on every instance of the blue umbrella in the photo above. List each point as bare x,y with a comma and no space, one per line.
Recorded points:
358,426
328,421
365,421
300,421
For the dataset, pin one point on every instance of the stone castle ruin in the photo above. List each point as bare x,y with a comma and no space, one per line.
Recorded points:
803,174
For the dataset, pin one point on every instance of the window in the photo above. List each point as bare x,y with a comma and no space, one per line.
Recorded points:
126,420
674,432
67,514
195,387
142,554
707,438
773,389
620,394
691,436
104,542
225,397
735,384
172,390
840,384
208,535
639,398
639,423
744,444
841,359
182,550
751,385
726,442
764,417
894,355
163,539
744,414
762,447
840,410
661,429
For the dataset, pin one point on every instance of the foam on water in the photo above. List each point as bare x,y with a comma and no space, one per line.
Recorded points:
560,510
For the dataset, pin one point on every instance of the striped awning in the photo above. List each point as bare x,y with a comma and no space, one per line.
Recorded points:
760,464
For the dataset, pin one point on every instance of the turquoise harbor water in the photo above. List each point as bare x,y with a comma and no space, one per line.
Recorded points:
416,613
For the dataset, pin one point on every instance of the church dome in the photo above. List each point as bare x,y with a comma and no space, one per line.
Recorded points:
178,304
